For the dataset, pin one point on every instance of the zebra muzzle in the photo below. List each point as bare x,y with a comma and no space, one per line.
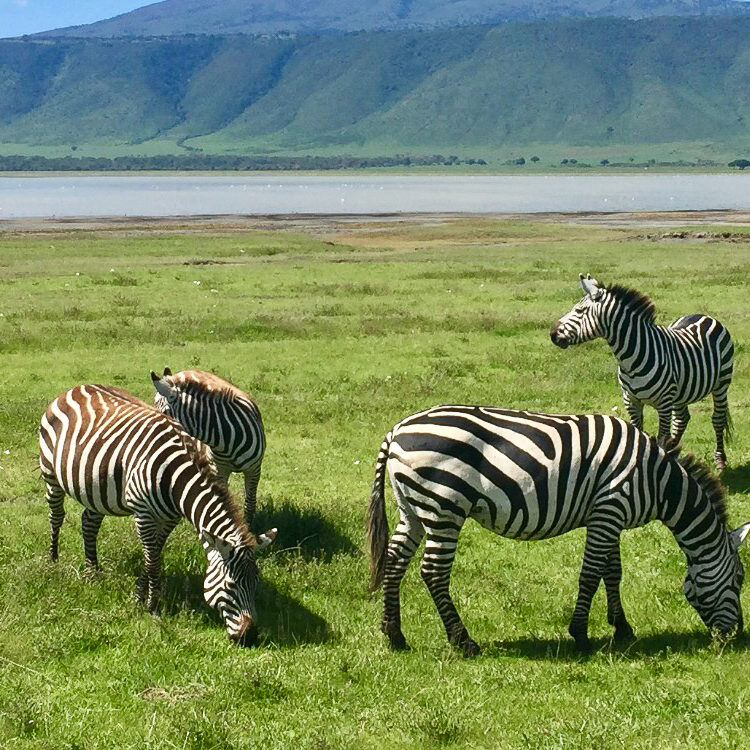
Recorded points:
247,633
557,338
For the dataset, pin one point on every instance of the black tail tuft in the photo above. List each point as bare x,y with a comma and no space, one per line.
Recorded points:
377,521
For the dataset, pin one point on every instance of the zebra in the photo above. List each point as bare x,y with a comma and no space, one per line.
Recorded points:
533,476
119,456
666,367
223,417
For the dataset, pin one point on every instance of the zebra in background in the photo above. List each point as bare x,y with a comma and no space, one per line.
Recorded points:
119,456
666,367
223,417
534,476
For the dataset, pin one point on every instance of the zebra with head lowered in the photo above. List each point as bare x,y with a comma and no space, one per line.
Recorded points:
666,367
222,416
534,476
119,456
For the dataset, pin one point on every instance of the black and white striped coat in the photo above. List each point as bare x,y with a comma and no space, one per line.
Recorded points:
222,416
533,476
665,367
119,456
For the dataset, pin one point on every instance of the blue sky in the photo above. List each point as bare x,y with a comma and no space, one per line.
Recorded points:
28,16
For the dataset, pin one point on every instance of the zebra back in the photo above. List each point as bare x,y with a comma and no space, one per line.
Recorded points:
213,410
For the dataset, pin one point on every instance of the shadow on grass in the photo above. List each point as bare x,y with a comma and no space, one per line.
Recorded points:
282,620
563,649
736,478
303,530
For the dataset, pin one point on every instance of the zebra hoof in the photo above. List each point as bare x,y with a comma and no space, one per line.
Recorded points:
624,633
397,642
470,649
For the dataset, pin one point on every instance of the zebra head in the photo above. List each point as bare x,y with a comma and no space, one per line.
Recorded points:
715,595
231,582
167,395
583,322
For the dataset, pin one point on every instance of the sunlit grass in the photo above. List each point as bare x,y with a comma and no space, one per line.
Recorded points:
337,342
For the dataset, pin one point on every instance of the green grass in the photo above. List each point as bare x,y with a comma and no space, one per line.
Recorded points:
337,342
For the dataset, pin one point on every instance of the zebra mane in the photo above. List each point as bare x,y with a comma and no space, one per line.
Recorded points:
638,303
201,455
712,487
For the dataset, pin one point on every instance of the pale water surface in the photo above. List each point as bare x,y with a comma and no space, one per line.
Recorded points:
184,195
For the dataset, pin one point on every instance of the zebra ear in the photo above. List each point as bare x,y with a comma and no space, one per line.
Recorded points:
162,388
591,286
738,535
265,539
211,541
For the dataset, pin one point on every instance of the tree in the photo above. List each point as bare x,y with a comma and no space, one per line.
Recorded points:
604,162
739,163
535,159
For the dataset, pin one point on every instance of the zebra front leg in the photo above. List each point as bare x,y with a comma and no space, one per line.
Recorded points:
634,407
600,540
720,421
153,534
615,612
55,495
665,425
680,419
406,538
91,522
440,551
252,477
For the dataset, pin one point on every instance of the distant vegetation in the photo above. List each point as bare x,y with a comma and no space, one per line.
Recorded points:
605,83
188,162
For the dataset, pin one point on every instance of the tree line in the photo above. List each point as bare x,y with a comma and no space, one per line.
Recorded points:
207,162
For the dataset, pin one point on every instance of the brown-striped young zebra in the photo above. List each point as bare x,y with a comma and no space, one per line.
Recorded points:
665,367
119,456
223,417
534,476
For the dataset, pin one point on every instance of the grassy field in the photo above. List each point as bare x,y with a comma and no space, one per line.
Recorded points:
338,336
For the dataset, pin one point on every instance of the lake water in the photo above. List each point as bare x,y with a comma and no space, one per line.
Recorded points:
184,195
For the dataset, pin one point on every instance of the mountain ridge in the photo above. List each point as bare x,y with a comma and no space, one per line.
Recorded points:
178,17
590,82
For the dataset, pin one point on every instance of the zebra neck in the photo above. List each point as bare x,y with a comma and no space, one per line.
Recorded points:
689,515
205,504
631,338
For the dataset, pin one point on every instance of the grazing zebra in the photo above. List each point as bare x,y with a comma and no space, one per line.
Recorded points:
533,476
119,456
223,417
668,368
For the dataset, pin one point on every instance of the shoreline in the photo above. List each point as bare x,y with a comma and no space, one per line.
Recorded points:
338,222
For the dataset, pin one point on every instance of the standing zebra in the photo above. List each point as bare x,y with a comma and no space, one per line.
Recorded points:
119,456
668,368
533,476
223,417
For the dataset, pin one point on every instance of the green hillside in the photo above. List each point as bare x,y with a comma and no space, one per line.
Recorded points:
608,84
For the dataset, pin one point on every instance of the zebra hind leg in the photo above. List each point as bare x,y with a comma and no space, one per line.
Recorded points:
440,550
720,421
600,541
615,612
91,522
55,495
406,538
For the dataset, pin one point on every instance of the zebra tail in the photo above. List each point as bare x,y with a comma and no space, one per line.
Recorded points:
377,521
